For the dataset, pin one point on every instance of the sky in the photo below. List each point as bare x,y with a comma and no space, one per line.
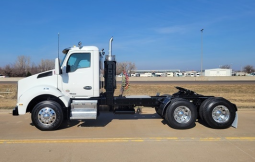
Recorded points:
154,34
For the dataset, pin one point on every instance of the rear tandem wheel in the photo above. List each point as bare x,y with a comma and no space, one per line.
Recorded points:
204,104
181,114
219,113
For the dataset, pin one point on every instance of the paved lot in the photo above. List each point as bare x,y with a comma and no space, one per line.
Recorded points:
139,137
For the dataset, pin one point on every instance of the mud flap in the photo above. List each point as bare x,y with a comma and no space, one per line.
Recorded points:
235,122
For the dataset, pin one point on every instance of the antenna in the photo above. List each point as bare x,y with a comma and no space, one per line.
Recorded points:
58,45
58,59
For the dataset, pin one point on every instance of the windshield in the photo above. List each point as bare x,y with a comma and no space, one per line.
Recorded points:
62,61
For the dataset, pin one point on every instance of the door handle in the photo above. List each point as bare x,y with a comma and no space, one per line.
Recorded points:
87,87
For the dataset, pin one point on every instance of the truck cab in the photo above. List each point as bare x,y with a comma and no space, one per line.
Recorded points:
80,72
78,77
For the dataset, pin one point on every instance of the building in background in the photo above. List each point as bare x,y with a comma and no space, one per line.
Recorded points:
192,73
156,73
218,72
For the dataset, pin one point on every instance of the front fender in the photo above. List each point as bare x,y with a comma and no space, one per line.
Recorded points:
30,94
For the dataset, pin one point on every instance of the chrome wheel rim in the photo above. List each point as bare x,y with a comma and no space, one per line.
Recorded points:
182,114
47,116
220,114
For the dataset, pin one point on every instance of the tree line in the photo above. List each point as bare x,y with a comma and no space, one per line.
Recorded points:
246,69
23,67
129,67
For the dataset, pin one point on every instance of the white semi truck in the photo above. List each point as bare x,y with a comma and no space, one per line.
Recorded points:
74,90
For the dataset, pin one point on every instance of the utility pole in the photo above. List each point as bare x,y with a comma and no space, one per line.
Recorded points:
201,51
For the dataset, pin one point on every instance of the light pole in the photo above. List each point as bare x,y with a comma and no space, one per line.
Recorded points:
201,51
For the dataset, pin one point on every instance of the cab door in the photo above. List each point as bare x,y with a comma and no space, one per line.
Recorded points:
77,76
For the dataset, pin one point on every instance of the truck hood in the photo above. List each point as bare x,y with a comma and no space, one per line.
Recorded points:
44,78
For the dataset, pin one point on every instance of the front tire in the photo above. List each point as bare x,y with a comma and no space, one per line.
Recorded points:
219,113
181,114
47,115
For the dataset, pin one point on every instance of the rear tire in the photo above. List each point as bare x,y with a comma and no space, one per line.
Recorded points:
181,114
47,115
219,113
202,107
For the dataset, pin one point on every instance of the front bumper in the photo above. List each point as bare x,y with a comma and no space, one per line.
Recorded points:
15,111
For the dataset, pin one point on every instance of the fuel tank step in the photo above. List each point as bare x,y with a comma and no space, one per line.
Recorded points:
124,111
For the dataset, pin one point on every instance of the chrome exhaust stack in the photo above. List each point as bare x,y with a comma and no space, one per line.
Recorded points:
110,57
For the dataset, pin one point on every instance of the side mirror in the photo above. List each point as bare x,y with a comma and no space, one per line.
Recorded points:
68,68
57,67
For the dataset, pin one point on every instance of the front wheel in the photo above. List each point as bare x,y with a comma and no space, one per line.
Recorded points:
181,114
47,115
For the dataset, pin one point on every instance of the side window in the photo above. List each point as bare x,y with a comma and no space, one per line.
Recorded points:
77,61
